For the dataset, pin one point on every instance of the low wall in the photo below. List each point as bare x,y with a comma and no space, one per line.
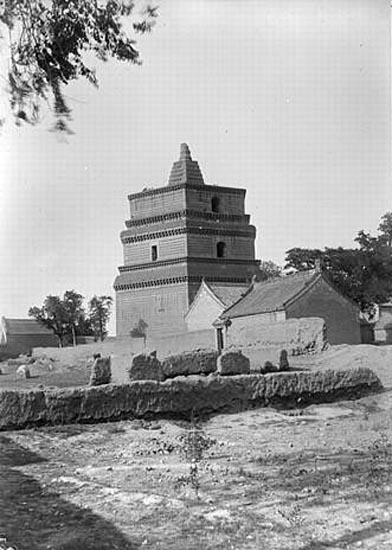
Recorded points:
22,344
183,342
180,396
262,342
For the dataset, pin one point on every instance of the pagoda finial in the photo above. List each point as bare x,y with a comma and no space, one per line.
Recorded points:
185,153
185,170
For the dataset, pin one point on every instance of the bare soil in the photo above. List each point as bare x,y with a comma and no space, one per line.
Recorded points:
318,478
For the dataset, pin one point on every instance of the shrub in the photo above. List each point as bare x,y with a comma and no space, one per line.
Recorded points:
194,444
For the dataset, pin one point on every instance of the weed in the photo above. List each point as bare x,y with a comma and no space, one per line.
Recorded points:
380,459
193,445
293,515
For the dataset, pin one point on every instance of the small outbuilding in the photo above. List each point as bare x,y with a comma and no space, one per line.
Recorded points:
299,295
22,335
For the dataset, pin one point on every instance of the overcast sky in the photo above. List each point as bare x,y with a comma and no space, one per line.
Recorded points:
287,98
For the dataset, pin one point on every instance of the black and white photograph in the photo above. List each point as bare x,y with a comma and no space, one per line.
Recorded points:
195,275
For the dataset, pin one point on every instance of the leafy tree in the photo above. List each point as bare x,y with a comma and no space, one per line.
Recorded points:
48,41
385,229
269,270
52,316
99,314
64,316
74,312
302,259
84,327
363,273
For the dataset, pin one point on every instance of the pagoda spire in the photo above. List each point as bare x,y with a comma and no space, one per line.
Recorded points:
185,153
185,170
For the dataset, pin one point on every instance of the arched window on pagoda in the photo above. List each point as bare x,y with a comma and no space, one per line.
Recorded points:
215,203
220,249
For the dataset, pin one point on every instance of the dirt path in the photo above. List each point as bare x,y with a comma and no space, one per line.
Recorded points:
316,480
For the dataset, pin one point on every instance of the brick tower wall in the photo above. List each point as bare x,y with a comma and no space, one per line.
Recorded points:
161,307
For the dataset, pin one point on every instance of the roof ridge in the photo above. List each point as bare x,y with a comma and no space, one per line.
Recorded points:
309,272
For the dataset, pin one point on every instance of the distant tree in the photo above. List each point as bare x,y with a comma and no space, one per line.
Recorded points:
74,311
84,327
364,273
64,316
48,40
302,259
269,270
99,315
385,229
52,316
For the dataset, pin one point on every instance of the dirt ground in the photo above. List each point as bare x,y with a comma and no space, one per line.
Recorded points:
313,479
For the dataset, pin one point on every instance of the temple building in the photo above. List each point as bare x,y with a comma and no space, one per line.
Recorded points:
178,236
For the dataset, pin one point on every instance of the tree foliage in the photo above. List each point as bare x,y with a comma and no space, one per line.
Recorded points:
269,270
65,316
51,315
73,310
363,273
48,42
99,314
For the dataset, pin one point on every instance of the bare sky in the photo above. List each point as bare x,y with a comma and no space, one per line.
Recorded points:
288,98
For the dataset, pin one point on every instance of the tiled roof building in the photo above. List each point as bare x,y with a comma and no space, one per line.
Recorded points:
22,335
299,295
176,236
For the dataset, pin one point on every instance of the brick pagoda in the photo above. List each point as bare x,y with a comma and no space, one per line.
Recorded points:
176,236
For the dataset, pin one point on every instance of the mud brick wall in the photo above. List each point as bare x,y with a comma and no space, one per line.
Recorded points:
339,314
261,341
183,342
180,396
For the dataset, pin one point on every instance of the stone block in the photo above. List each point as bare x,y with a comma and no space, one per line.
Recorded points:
146,367
101,372
23,371
268,367
194,362
233,362
284,361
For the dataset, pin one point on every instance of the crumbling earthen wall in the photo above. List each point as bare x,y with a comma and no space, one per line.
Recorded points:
183,342
262,341
341,316
180,396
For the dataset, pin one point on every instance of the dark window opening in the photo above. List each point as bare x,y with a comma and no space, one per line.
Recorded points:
154,252
220,249
215,204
